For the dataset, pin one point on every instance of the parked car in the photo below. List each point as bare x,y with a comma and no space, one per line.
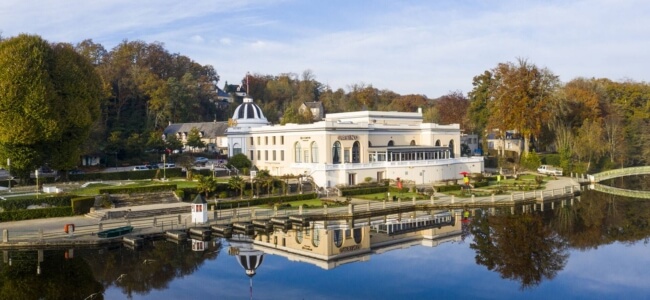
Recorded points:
140,168
152,167
200,161
549,170
167,166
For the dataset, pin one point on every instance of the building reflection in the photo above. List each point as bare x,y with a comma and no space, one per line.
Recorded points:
329,244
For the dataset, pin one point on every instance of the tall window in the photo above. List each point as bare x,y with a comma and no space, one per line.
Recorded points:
266,155
274,140
297,151
314,152
282,140
236,149
336,153
356,157
274,155
266,140
252,157
391,143
251,141
451,149
282,155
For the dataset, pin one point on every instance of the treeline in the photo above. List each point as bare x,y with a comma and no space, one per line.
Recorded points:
592,123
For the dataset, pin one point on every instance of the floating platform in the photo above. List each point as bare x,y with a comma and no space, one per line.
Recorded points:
133,241
263,224
200,232
177,235
243,227
115,232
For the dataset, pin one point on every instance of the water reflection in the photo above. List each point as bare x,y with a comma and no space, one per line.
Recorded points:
528,245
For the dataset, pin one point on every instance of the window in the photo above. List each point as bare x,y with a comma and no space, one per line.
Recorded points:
259,155
281,155
357,235
273,155
297,151
266,154
336,153
315,237
346,155
412,142
282,140
251,156
236,149
251,142
314,152
258,140
299,236
451,149
391,143
437,143
356,157
266,140
338,237
274,140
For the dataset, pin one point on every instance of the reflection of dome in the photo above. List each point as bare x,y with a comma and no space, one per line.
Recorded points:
249,258
249,113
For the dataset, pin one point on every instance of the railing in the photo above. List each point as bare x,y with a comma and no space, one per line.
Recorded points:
620,192
160,224
632,171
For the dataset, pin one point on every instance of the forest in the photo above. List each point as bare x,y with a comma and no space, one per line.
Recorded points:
130,93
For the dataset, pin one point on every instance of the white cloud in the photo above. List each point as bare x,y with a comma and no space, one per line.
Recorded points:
409,47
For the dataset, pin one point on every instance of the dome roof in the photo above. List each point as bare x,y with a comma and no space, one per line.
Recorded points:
249,113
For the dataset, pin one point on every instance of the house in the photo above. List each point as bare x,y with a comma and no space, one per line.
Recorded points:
510,141
316,108
472,142
213,134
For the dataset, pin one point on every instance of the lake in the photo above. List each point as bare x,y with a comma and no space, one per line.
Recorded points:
592,247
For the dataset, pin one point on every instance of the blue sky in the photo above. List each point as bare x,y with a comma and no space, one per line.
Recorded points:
409,47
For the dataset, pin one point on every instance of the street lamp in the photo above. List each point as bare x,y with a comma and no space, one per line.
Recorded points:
36,174
9,170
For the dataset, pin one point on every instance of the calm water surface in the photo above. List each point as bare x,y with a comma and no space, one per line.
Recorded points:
595,248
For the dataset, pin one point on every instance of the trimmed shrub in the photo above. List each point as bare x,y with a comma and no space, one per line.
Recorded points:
447,188
82,205
127,175
19,204
29,214
363,190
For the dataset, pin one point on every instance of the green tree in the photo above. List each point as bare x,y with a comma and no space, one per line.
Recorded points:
206,184
194,139
48,102
478,111
173,143
239,161
237,183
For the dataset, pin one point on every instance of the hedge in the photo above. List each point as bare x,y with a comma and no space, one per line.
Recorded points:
127,175
82,205
364,190
395,190
139,189
268,200
446,188
28,214
19,204
481,184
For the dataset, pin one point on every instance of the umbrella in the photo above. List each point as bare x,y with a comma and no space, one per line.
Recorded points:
464,173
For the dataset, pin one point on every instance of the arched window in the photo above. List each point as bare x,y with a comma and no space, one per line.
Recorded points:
357,235
391,143
412,142
338,237
297,151
314,152
299,236
451,149
336,153
437,143
315,237
236,149
356,153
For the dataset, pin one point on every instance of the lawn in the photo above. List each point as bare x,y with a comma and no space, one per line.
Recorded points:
93,188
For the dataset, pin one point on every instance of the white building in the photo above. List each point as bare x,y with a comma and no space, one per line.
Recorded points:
346,148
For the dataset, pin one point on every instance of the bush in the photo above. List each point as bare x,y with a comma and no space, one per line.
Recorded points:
82,205
29,214
531,161
551,159
20,204
363,191
127,175
447,188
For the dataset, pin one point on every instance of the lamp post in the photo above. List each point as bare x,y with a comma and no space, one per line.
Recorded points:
164,167
36,174
9,170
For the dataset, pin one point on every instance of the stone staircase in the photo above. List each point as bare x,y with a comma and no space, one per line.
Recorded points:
140,205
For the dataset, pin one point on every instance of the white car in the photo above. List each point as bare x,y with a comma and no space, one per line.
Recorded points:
140,168
200,161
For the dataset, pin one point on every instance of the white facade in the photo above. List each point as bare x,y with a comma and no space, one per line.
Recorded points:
346,148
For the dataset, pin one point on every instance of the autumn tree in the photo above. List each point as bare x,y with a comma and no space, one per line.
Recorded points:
519,97
194,139
453,109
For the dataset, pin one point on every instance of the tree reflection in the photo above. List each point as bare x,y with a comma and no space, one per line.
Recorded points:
92,271
519,247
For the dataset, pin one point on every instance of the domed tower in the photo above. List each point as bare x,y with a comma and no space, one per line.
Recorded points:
247,115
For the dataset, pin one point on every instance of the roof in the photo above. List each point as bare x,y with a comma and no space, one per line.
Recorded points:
314,104
209,129
199,199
